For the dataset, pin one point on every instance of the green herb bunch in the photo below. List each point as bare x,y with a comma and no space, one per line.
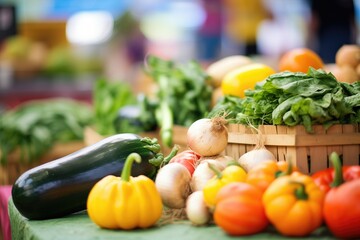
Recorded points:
289,98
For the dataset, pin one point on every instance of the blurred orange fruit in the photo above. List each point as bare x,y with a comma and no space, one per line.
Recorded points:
299,60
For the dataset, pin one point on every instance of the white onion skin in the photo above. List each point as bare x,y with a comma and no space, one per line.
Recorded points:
252,158
196,210
208,137
203,173
173,184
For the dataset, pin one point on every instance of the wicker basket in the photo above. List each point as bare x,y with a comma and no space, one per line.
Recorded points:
310,152
14,168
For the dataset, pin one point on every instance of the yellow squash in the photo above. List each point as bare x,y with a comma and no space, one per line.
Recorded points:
126,202
293,204
237,81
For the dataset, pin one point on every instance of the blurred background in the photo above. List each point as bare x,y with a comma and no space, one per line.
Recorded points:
52,48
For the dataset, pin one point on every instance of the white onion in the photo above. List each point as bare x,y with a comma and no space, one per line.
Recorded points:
196,210
173,184
203,173
252,158
208,137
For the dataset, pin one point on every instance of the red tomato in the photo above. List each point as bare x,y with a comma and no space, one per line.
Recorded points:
342,210
239,209
188,159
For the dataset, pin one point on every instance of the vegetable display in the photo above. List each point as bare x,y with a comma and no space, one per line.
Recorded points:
61,187
125,202
295,98
253,194
35,126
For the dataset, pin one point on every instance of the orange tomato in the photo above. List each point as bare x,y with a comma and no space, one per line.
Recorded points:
239,209
299,60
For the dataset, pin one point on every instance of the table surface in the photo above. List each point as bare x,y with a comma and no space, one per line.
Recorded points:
79,226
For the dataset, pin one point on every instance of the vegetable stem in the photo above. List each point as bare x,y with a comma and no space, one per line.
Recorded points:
288,171
172,154
215,170
164,117
151,144
300,192
338,179
126,172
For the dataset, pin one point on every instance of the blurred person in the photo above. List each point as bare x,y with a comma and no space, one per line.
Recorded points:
289,20
332,25
242,19
209,34
126,50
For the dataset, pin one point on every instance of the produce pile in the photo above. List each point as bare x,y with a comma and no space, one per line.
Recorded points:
207,187
126,183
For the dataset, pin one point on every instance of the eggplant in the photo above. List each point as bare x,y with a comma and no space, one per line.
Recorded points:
61,187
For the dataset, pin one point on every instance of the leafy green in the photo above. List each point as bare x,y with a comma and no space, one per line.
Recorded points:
289,98
227,106
35,126
184,93
108,98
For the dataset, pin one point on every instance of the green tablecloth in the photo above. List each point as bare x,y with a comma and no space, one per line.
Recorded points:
78,226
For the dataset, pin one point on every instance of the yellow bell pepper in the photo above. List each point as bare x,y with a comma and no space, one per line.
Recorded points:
125,202
294,204
232,173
